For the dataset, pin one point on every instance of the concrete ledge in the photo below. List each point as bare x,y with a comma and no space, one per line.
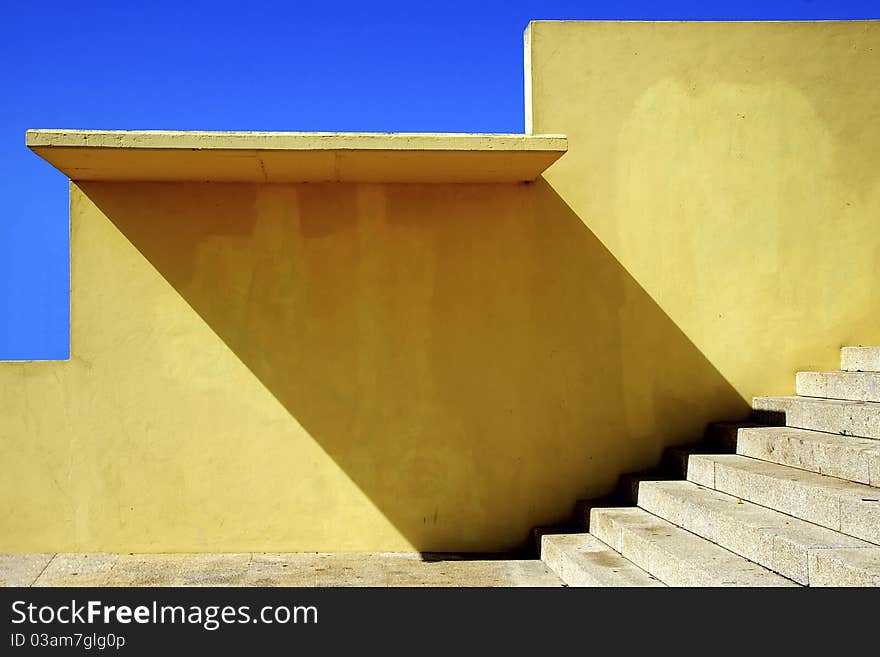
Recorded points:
158,155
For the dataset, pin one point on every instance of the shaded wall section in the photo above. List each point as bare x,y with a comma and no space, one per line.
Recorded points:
733,169
338,367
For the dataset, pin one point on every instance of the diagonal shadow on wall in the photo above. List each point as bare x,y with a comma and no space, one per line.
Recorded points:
472,357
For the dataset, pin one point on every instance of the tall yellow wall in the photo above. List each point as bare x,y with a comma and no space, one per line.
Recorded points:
337,367
734,170
440,367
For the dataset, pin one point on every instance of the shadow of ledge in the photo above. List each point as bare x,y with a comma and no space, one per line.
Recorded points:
471,356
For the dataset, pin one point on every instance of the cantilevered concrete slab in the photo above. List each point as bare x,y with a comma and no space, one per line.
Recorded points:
157,155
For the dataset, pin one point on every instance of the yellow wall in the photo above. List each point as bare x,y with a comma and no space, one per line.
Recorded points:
440,367
332,367
734,170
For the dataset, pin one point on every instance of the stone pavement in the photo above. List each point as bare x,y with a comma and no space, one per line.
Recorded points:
270,569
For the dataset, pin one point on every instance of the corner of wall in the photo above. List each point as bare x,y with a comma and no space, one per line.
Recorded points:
527,72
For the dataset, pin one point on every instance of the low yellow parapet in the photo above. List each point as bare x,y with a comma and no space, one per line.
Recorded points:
285,157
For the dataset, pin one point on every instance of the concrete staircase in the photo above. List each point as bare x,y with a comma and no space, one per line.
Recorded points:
790,499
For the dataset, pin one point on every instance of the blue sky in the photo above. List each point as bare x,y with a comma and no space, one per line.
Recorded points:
220,65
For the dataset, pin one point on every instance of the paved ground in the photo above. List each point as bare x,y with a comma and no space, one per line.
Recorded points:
264,569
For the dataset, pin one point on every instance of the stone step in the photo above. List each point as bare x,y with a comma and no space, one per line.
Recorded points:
849,418
845,457
674,556
853,386
845,567
837,504
860,359
584,560
774,540
540,531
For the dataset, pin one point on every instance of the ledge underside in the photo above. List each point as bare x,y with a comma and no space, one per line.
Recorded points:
296,157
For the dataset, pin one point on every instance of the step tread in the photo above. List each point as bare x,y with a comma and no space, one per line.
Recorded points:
584,560
673,555
846,457
821,401
840,385
837,504
772,539
839,416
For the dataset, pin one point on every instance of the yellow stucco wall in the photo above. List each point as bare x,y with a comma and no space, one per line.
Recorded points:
336,367
440,367
734,170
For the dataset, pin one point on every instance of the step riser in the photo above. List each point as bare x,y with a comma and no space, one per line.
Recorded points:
771,539
852,386
583,560
860,359
853,459
846,418
673,555
846,567
856,515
